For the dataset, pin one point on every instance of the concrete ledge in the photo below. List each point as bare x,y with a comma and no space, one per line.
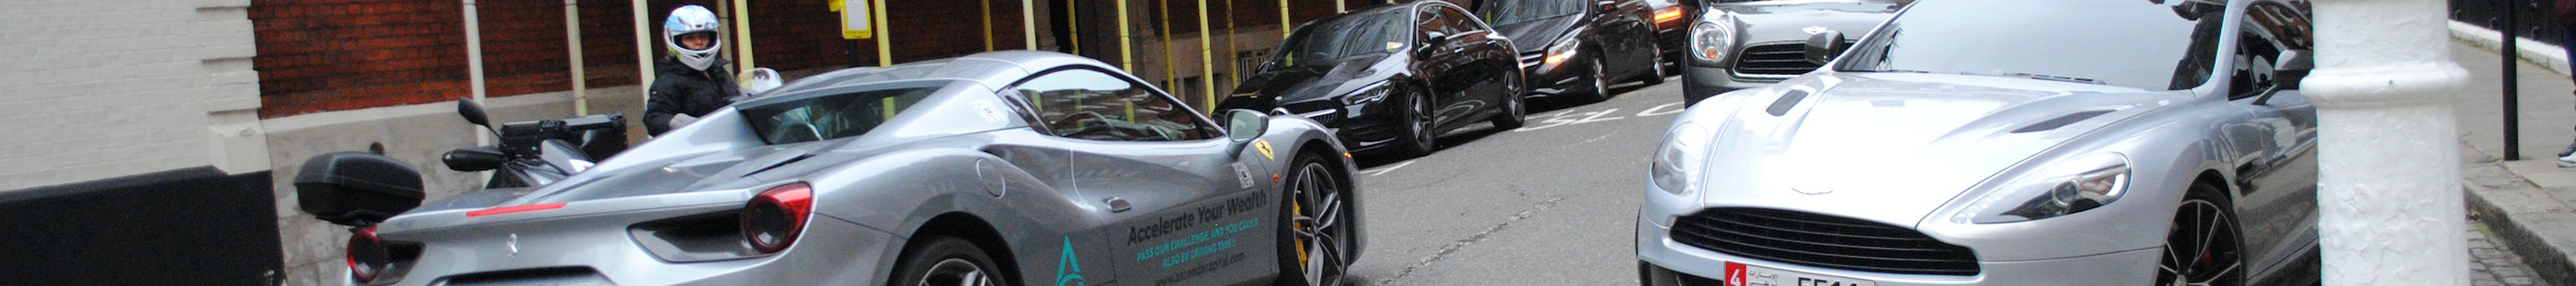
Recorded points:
2535,224
2536,52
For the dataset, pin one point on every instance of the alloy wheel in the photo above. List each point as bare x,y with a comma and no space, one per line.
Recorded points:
2201,249
956,272
1319,232
1423,138
1600,81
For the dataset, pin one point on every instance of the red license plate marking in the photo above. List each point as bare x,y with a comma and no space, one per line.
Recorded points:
1738,274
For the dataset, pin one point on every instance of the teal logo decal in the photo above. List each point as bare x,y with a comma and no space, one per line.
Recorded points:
1068,262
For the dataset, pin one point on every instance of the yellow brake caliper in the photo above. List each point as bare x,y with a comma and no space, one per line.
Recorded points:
1299,209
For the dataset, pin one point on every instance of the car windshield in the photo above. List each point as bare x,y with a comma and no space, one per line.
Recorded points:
1507,12
2139,44
1352,35
831,116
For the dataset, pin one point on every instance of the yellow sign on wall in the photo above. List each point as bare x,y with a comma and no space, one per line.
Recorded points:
855,23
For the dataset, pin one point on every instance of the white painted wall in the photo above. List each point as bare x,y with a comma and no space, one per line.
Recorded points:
100,89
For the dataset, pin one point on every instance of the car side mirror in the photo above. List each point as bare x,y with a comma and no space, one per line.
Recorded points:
2287,71
356,189
473,112
1431,41
1243,125
2292,67
1823,46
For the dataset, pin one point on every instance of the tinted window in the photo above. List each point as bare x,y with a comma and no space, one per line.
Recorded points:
1507,12
2268,30
1089,104
1459,21
831,117
2137,44
1351,35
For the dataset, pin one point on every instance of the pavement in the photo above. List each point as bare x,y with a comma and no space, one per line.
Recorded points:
2525,210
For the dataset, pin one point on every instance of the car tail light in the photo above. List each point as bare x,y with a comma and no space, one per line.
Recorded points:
368,256
773,219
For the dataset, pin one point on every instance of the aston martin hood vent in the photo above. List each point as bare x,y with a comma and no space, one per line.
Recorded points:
2060,121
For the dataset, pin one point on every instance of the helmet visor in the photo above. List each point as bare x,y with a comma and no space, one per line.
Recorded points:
695,41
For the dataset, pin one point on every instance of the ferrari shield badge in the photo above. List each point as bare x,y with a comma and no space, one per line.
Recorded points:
1264,146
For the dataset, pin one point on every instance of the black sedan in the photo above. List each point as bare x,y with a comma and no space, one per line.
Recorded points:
1394,75
1578,48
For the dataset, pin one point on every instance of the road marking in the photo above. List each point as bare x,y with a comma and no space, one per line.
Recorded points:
1571,118
1383,170
1651,111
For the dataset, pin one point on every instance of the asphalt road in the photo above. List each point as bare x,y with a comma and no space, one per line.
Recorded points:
1551,203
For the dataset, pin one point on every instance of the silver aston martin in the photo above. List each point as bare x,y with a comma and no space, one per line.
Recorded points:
998,168
2005,142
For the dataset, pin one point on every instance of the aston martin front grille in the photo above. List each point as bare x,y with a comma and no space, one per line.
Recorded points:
1783,59
1822,241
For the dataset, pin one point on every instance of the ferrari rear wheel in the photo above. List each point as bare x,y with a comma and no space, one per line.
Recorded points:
2203,246
1315,247
946,261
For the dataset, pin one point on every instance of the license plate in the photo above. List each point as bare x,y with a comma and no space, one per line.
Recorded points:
1738,274
564,279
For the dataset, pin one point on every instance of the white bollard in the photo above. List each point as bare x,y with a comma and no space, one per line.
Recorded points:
2389,174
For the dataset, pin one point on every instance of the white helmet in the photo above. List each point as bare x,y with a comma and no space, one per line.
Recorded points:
688,20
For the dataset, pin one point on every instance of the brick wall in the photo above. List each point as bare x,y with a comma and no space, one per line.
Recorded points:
101,89
324,55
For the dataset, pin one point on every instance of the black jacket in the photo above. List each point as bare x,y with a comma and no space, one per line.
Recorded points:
680,90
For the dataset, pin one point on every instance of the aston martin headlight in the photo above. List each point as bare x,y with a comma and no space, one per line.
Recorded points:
1711,40
1374,92
1563,50
1684,153
2067,187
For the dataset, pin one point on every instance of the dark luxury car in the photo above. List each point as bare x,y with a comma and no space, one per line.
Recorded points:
997,168
1577,47
2006,142
1740,44
1673,19
1394,75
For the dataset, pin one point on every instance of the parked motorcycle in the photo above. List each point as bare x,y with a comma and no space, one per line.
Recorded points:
534,153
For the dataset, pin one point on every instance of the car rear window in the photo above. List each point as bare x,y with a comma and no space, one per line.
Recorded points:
831,116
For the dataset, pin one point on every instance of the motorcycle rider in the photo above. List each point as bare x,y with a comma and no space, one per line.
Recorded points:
692,80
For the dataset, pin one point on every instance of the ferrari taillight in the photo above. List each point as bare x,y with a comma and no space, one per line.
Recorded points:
773,219
367,256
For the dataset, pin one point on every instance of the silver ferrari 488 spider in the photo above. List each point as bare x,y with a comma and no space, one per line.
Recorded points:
999,168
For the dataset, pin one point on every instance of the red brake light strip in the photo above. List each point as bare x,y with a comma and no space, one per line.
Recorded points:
514,209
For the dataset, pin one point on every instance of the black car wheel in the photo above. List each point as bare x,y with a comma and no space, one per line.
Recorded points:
1315,246
1418,122
1600,82
1655,68
1515,107
942,260
2202,247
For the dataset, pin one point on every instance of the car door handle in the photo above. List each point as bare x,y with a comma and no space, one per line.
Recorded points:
1117,205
